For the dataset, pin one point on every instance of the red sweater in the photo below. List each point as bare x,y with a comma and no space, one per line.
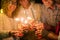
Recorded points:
58,28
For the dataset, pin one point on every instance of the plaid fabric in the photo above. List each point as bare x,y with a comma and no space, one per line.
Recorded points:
49,16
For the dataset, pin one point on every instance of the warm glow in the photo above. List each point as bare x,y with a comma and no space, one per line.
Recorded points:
29,18
16,19
1,11
24,20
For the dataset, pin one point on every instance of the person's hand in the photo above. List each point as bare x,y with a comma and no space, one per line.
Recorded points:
17,33
37,25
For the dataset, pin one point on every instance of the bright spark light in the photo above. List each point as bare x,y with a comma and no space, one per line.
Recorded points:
26,21
17,19
23,20
29,18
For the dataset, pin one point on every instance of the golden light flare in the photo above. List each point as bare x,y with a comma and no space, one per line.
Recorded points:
1,11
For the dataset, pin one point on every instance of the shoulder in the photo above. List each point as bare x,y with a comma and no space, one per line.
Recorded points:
16,12
37,6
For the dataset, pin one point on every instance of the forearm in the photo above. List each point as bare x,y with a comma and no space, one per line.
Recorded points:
50,35
4,35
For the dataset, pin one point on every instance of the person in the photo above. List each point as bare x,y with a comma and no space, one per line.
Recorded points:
50,17
58,3
7,23
26,15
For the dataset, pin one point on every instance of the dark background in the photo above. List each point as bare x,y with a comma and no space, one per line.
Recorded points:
36,1
0,4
